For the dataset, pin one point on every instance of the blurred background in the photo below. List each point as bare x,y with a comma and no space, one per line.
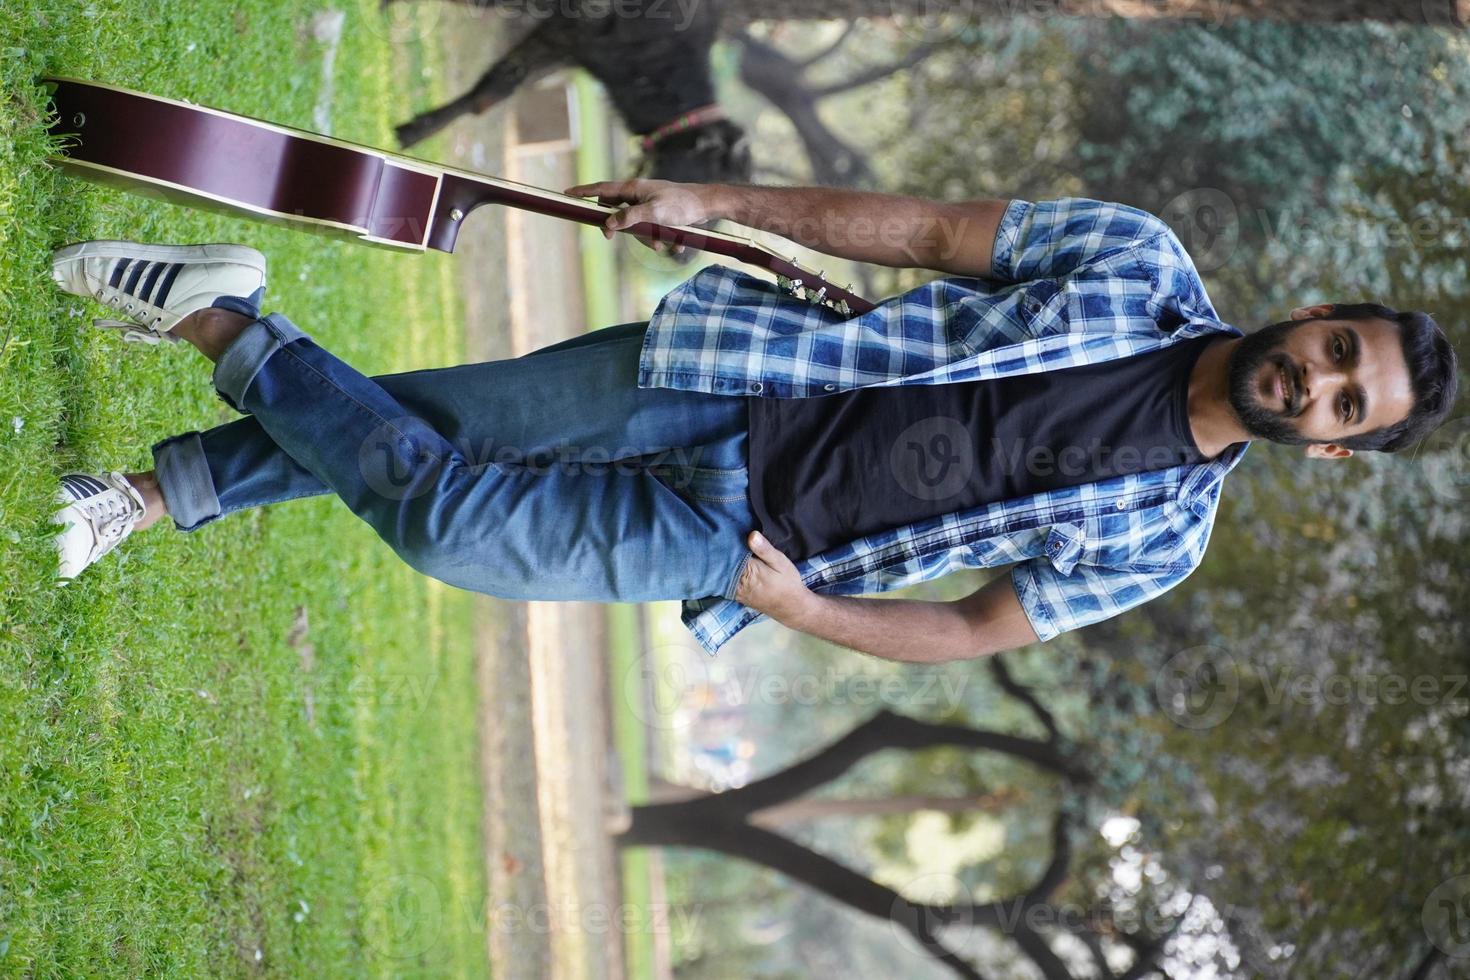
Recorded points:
289,762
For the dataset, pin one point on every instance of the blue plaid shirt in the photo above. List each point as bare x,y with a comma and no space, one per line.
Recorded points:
1075,282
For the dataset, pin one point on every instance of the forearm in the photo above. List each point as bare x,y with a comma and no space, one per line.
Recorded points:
908,630
883,229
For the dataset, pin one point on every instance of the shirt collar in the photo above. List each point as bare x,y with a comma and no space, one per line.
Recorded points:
1196,489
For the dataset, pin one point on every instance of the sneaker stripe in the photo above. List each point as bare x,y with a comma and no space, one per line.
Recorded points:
117,272
91,481
167,284
79,487
133,279
148,283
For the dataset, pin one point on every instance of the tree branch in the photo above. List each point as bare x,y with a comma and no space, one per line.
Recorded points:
1427,964
656,826
884,730
1008,684
876,73
829,50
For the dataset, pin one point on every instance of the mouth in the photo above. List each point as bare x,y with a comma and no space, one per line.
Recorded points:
1283,389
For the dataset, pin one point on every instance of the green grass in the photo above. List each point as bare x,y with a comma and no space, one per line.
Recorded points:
166,805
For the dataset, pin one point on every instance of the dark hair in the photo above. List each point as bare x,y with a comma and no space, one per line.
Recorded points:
1433,374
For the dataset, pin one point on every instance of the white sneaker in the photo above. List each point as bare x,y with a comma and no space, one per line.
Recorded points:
156,286
98,511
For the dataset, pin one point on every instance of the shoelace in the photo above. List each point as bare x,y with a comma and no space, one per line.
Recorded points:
136,332
133,335
113,511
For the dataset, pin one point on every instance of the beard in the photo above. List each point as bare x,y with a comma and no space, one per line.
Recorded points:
1254,350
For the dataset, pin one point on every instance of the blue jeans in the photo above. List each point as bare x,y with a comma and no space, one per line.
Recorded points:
547,476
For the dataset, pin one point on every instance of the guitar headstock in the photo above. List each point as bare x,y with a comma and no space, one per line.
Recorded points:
813,287
814,294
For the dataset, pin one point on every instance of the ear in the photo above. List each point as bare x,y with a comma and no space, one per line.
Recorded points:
1311,312
1326,450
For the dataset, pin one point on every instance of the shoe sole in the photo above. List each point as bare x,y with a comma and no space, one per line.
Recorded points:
187,254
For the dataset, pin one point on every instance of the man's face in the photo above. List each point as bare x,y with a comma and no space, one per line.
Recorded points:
1317,381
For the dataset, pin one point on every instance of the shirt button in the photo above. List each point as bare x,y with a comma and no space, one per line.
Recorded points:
1122,504
829,387
756,386
1034,306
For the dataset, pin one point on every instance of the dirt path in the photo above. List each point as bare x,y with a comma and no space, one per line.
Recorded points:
551,873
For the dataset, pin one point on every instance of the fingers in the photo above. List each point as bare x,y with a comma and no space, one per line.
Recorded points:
628,217
608,191
767,553
642,210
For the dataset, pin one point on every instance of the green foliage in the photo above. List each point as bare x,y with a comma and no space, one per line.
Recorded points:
1318,814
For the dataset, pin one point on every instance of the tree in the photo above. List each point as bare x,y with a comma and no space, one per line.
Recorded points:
731,823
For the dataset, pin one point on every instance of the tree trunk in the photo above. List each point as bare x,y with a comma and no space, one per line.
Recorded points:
1442,13
780,80
738,823
805,811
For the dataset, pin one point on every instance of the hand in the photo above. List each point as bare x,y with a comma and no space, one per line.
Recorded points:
771,584
662,202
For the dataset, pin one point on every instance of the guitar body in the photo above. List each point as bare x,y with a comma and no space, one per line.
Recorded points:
222,159
206,157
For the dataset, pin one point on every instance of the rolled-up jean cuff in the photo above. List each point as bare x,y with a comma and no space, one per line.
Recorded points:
247,354
185,481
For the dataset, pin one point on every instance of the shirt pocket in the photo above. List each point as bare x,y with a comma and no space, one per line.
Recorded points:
1021,313
1044,307
1157,539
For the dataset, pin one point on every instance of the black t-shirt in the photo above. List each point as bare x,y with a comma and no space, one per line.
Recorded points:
830,469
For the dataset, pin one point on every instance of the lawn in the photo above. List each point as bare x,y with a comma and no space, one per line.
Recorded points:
249,749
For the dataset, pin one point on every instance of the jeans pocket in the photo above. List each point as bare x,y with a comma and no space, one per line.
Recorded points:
734,584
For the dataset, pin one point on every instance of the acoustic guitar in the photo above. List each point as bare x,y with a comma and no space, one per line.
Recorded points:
198,155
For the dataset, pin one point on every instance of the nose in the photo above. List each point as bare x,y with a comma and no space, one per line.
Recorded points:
1319,375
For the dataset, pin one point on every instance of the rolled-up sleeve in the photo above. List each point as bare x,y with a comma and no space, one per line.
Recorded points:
1056,603
1041,239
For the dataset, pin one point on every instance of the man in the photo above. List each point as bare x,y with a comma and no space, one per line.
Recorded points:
1065,399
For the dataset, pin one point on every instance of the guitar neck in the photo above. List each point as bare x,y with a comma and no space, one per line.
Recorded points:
461,192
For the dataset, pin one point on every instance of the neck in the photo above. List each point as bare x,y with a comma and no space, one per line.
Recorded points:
1211,419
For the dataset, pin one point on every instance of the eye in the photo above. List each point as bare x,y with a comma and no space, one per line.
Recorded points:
1345,404
1339,349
